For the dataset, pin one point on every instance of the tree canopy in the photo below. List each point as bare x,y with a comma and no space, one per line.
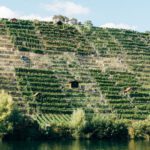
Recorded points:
6,105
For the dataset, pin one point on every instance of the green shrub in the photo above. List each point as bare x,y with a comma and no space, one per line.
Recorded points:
56,131
141,129
6,108
77,122
102,127
13,123
77,119
120,129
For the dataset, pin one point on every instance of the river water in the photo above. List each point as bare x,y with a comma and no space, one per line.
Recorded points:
76,145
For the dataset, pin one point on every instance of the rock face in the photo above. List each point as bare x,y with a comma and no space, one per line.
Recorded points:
39,61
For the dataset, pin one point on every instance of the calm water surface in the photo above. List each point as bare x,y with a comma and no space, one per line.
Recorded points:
76,145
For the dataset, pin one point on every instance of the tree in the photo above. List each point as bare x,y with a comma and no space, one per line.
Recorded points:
61,18
88,24
6,109
147,32
6,105
13,123
73,21
77,122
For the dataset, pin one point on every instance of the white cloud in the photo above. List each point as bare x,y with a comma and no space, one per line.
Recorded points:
119,26
6,12
67,8
37,17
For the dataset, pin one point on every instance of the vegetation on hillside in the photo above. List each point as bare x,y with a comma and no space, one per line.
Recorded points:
41,61
13,124
6,109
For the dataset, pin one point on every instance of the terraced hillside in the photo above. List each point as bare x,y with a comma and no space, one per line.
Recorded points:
51,70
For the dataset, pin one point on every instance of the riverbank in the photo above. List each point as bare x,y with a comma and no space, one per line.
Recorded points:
100,127
16,125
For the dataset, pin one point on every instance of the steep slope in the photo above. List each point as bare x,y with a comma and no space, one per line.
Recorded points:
56,69
124,61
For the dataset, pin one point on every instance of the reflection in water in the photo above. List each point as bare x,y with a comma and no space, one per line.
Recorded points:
77,145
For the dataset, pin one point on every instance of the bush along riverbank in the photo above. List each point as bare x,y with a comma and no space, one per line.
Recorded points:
100,127
14,125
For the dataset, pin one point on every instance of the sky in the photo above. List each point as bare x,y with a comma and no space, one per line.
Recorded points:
127,14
